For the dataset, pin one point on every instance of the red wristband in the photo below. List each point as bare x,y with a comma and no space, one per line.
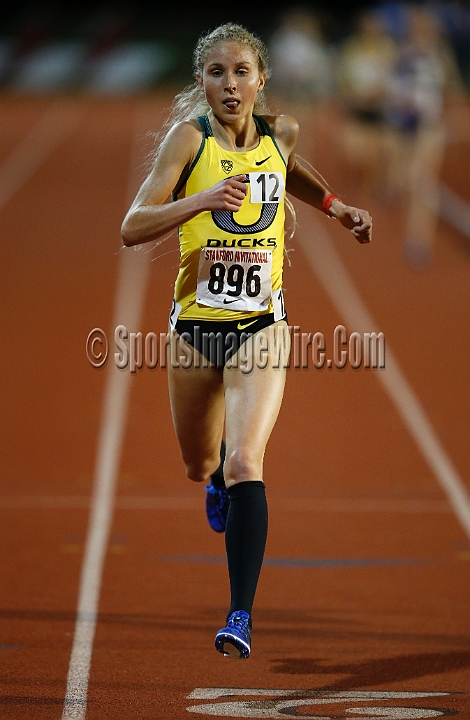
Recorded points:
326,204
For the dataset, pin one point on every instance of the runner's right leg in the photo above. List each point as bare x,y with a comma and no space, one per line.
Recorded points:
198,408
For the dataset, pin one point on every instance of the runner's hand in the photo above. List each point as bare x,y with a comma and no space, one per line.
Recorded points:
226,195
358,221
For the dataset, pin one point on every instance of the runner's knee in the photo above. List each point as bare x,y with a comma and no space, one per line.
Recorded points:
241,466
201,470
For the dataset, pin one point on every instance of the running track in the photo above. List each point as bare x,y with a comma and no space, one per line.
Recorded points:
363,601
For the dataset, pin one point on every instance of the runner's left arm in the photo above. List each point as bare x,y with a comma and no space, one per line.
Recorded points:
302,184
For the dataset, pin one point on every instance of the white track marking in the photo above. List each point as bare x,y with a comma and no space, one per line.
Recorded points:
277,708
154,502
130,293
454,210
54,125
396,713
343,695
330,270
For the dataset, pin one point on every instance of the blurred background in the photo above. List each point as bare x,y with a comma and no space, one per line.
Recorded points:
120,47
395,76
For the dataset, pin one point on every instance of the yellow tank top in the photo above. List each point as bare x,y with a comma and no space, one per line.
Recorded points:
231,263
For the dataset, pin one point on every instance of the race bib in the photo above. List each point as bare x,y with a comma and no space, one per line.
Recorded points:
234,279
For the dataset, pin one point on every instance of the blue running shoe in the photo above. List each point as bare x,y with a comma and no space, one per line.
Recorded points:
217,502
234,640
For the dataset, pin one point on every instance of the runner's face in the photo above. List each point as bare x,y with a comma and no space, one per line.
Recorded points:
231,80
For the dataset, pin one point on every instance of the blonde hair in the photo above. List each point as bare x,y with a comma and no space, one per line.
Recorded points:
191,102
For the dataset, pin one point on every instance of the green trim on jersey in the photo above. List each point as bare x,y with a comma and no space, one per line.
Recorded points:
267,131
262,127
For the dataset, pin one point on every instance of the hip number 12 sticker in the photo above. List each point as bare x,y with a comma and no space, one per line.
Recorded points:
266,187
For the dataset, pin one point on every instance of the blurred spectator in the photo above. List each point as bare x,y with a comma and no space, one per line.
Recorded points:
300,59
49,68
393,15
33,26
99,54
6,55
364,72
454,16
116,63
43,61
132,67
425,74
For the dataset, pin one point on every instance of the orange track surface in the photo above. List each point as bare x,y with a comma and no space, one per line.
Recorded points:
346,482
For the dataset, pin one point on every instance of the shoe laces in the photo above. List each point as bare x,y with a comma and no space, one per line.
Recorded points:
239,621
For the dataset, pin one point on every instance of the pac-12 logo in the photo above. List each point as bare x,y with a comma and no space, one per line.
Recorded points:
227,166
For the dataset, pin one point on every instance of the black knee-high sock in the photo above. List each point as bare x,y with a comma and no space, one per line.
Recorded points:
245,540
218,476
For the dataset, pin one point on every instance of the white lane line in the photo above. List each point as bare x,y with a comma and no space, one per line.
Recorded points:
176,503
330,270
54,125
454,210
130,293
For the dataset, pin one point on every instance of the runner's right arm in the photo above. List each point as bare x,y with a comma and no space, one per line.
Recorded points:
151,216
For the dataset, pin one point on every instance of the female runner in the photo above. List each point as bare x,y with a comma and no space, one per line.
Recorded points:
227,163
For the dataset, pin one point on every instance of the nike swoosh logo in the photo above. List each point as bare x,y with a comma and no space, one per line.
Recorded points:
228,302
260,162
242,327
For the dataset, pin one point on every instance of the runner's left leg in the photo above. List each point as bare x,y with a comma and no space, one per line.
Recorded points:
253,400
